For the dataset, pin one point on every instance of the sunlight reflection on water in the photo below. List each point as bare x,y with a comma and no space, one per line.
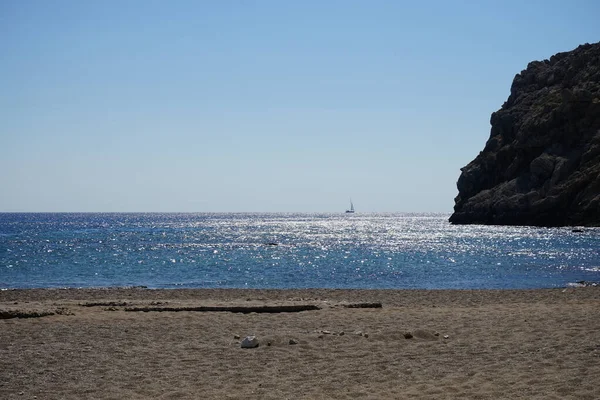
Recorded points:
287,250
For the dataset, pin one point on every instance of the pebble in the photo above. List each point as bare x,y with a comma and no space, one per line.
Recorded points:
293,341
249,342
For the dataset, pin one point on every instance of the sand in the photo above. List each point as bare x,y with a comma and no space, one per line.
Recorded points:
532,344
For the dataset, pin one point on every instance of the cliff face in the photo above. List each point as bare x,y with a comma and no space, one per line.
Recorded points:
541,164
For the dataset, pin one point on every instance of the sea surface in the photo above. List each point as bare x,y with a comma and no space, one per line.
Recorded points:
288,251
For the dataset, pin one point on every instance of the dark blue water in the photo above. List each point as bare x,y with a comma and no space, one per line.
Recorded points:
312,251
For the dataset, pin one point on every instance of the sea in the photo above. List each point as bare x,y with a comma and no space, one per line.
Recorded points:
278,250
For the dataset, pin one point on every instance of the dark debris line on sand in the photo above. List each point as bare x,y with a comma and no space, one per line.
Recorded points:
251,309
233,309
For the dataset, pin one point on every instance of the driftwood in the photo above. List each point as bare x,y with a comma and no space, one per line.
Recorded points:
250,309
112,306
233,309
8,314
105,304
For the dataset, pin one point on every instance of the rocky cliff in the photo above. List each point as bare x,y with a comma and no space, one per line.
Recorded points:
541,164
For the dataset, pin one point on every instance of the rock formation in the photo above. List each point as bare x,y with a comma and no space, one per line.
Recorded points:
541,164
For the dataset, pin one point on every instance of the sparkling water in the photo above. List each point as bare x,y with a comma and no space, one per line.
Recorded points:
287,251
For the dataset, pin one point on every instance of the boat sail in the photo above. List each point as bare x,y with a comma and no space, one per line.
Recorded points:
351,210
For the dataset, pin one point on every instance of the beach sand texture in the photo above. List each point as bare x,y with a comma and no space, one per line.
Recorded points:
531,344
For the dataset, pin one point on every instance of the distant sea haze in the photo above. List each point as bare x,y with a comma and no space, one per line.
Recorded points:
374,251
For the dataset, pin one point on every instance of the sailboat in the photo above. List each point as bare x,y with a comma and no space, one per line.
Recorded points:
351,210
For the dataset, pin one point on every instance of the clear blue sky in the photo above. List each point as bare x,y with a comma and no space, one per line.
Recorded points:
259,105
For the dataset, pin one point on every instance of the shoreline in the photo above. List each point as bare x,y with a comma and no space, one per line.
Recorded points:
390,296
443,344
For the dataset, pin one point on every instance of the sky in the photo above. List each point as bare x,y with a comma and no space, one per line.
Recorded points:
259,106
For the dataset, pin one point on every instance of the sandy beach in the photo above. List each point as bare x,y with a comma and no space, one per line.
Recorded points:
138,343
